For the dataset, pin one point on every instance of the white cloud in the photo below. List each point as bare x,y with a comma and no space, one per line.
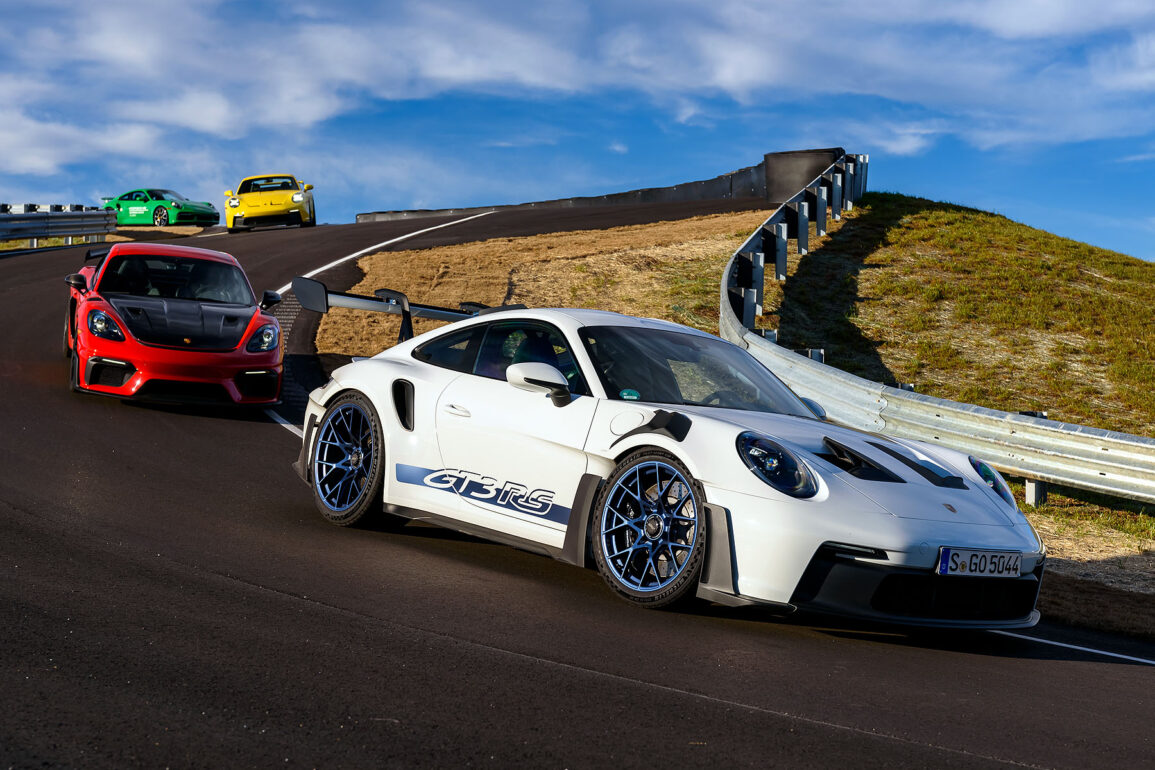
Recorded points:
80,81
35,147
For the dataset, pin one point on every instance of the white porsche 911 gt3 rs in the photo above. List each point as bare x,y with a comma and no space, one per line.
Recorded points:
672,460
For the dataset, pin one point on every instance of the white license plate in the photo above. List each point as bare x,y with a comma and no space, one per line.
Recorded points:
964,561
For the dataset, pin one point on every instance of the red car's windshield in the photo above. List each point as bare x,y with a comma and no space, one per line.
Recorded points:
171,277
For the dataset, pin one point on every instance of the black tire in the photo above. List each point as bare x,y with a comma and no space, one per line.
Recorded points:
160,216
312,218
347,463
650,551
74,374
67,342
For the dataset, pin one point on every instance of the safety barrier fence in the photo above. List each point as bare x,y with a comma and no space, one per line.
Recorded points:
33,222
1037,449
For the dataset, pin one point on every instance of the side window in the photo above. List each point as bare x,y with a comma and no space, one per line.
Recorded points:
455,351
517,342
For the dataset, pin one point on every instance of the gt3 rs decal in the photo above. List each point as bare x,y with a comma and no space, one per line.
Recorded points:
508,495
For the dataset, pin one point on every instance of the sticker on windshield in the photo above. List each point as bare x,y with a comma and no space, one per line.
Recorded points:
629,394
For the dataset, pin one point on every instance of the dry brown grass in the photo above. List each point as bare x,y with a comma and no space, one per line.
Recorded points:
636,269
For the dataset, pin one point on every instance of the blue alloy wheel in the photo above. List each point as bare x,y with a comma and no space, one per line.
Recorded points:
347,461
650,530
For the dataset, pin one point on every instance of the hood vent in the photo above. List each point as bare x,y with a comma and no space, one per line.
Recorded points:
856,464
929,471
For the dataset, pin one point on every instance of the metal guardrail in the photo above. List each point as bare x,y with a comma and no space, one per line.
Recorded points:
33,222
1034,448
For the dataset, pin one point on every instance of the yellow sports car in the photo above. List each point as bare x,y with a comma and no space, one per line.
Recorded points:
269,199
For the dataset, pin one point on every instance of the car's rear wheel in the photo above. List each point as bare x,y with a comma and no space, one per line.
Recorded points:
160,216
650,530
348,462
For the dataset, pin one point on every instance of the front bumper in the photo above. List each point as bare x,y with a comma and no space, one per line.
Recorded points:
187,217
194,378
263,219
839,582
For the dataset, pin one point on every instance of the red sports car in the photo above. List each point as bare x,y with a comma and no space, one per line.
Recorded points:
173,324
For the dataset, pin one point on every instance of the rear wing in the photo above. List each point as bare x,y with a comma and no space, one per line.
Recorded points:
314,295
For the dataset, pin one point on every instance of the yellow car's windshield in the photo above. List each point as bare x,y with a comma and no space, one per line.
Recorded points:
267,184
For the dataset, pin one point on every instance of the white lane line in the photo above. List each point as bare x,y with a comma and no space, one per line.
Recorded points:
271,412
285,423
383,244
1091,650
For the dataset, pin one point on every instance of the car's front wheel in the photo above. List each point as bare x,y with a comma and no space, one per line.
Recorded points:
348,462
160,216
74,373
650,530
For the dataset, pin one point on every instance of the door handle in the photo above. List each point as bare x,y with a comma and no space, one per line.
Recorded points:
460,411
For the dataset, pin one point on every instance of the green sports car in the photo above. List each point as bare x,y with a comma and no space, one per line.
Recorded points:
161,207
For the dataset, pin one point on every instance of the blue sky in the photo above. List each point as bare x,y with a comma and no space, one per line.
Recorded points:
1042,111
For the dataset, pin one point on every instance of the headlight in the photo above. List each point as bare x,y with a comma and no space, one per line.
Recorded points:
265,339
994,480
298,197
101,324
234,202
777,466
175,205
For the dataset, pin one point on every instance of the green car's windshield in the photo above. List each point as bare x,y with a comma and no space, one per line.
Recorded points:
166,195
668,367
170,277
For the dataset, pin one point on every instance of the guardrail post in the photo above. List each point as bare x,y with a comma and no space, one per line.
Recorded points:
816,203
835,179
1034,490
798,224
752,295
780,252
851,186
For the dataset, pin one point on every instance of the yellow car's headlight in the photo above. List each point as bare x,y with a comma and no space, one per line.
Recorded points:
298,197
234,202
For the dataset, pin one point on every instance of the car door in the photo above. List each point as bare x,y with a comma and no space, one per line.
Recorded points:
512,455
137,208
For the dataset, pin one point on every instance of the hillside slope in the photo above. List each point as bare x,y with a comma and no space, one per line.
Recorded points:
973,307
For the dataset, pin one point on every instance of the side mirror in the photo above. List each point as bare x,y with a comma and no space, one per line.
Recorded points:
537,377
307,187
76,281
269,299
228,193
815,407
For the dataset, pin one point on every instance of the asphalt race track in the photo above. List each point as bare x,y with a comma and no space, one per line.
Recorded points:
169,597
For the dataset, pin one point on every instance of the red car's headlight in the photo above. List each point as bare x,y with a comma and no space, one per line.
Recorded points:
101,324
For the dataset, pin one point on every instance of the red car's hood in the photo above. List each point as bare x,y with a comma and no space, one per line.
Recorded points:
183,323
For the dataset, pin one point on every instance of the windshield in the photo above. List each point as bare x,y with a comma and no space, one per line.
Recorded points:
267,183
149,275
667,367
166,195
